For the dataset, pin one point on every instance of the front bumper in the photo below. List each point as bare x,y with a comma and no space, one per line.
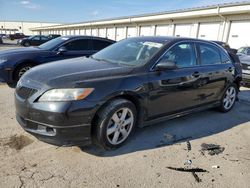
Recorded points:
58,123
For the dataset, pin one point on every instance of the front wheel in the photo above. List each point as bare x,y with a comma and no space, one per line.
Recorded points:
19,72
115,124
228,99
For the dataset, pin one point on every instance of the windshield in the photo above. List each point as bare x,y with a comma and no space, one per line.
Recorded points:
53,43
133,52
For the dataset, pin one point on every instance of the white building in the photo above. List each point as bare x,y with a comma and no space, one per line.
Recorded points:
11,27
226,22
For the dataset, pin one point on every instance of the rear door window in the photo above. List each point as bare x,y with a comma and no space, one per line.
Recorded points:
78,45
209,55
100,44
182,54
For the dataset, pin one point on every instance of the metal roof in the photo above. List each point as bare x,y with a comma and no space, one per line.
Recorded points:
238,3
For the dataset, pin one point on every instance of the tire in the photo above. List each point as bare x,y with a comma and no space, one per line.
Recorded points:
18,73
229,98
26,44
115,124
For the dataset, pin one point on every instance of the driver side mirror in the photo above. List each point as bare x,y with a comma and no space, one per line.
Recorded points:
61,50
166,65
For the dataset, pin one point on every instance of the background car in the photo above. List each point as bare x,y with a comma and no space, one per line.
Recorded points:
244,56
245,62
15,62
243,51
16,36
1,40
35,40
53,36
3,35
135,82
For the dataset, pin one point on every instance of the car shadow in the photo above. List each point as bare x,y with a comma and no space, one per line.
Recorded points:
178,130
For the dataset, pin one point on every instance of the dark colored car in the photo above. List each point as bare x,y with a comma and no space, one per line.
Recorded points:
135,82
15,62
53,36
1,40
35,40
16,36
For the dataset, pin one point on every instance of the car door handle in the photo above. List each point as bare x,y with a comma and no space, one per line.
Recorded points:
196,74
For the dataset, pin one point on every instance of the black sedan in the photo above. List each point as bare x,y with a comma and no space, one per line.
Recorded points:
35,40
15,62
135,82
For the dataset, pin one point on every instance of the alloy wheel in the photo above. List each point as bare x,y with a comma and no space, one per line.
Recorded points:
23,70
229,98
120,126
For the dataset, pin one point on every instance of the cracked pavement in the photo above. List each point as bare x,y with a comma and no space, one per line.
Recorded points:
27,162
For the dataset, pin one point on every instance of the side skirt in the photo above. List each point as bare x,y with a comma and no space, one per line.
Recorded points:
180,114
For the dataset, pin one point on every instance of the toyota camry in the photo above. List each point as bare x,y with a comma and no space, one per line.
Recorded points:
132,83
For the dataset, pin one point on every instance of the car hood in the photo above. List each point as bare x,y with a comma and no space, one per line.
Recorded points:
17,51
74,72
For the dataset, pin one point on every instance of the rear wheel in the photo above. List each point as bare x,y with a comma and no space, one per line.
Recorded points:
26,44
229,98
115,124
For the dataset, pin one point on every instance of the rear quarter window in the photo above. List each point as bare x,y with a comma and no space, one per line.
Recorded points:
99,44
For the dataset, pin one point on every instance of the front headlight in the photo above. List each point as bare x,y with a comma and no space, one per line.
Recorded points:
2,60
59,95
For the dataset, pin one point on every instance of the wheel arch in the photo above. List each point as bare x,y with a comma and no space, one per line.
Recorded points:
23,62
130,96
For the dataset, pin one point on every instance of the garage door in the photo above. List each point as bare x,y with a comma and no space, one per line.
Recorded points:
146,31
239,34
162,30
132,32
67,32
183,30
111,33
209,31
94,32
120,33
82,32
88,32
102,32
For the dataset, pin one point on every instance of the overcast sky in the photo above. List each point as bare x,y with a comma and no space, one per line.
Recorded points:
84,10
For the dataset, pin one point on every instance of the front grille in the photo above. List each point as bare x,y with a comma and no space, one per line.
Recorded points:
25,92
245,66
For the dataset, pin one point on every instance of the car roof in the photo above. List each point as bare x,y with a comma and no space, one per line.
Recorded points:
164,39
86,37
